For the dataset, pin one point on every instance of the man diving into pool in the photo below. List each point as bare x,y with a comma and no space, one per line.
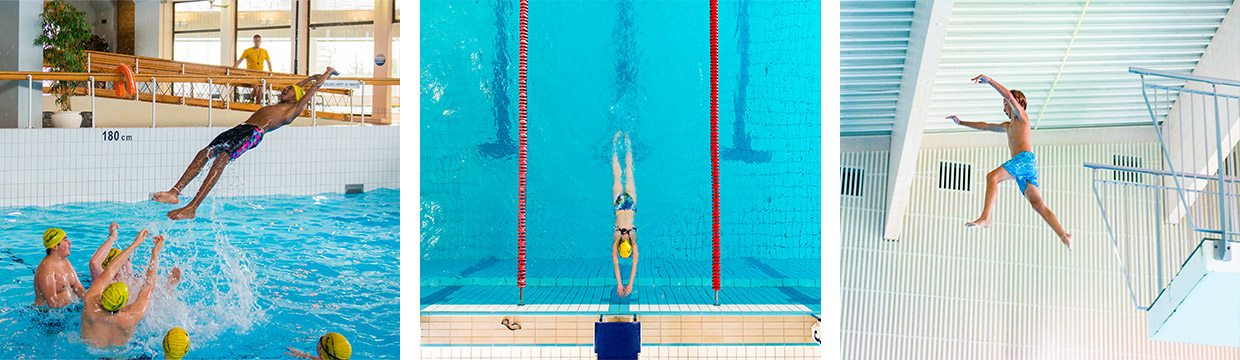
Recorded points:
106,320
236,141
624,234
55,282
1023,167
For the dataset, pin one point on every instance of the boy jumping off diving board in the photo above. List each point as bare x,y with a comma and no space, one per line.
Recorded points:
232,143
1023,167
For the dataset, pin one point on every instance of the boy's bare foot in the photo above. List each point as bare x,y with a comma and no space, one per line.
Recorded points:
166,197
977,223
182,213
1067,241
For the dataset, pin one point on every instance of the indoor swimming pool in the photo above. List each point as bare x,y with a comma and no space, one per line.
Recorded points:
639,67
260,274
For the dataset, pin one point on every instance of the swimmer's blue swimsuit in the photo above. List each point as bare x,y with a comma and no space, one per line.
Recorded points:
1024,167
625,202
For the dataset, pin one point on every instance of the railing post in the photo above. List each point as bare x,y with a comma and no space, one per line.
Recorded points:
362,103
210,105
94,116
314,116
30,102
153,85
263,101
1222,250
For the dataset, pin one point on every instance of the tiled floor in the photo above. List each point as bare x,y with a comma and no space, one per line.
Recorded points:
562,330
795,352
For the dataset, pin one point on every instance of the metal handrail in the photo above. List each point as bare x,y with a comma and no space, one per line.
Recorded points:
154,80
1183,76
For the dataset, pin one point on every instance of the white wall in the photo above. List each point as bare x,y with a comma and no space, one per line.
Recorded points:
150,26
52,166
1008,292
97,11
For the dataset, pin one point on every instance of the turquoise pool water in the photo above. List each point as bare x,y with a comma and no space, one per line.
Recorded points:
595,68
259,274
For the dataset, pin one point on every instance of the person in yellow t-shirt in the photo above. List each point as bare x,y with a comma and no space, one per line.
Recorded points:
254,58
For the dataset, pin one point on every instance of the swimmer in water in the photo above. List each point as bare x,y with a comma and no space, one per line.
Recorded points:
232,143
624,234
56,284
106,318
332,346
176,344
105,256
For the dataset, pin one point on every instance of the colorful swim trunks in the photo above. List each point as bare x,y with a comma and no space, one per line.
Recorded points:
236,141
1024,167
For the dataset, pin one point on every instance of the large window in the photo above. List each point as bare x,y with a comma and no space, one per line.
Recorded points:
196,32
342,35
273,21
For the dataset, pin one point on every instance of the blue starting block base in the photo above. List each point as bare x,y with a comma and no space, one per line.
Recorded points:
617,340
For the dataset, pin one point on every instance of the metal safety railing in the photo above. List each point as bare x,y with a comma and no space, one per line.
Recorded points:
210,92
1156,218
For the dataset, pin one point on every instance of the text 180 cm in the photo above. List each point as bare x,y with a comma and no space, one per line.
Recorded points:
114,135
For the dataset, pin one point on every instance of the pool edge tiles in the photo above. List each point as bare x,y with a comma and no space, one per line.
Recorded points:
577,330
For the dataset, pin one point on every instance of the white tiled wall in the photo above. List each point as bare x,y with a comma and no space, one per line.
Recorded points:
52,166
943,291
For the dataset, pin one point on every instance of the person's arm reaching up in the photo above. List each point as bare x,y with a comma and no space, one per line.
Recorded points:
1007,94
305,99
980,125
110,272
615,263
134,313
628,289
96,260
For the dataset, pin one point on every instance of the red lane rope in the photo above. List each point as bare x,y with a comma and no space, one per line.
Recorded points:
521,155
714,131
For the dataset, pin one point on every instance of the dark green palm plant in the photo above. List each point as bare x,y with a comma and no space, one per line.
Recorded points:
65,31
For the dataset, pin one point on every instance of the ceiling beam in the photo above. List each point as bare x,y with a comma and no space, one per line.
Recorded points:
921,63
1191,140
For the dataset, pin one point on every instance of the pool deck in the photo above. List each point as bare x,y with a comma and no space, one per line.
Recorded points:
582,287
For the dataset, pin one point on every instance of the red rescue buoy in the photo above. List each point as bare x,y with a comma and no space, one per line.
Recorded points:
128,86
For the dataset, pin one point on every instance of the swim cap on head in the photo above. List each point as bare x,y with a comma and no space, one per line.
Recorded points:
297,90
176,343
52,237
111,255
626,250
115,296
334,346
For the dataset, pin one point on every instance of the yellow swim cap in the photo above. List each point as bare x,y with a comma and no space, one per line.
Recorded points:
115,296
334,346
299,92
626,250
111,255
52,237
176,344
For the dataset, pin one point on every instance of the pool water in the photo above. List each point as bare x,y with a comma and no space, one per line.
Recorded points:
596,68
260,273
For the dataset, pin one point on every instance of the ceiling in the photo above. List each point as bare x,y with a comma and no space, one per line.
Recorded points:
1022,45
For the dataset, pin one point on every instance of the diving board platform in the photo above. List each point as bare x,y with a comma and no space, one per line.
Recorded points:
1187,311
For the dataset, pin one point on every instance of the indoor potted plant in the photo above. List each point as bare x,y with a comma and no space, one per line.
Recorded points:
65,31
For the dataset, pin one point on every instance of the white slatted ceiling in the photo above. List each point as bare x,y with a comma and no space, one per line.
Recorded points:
1009,292
1021,44
874,36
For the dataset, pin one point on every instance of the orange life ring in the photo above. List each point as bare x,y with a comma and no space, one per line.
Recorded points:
127,87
